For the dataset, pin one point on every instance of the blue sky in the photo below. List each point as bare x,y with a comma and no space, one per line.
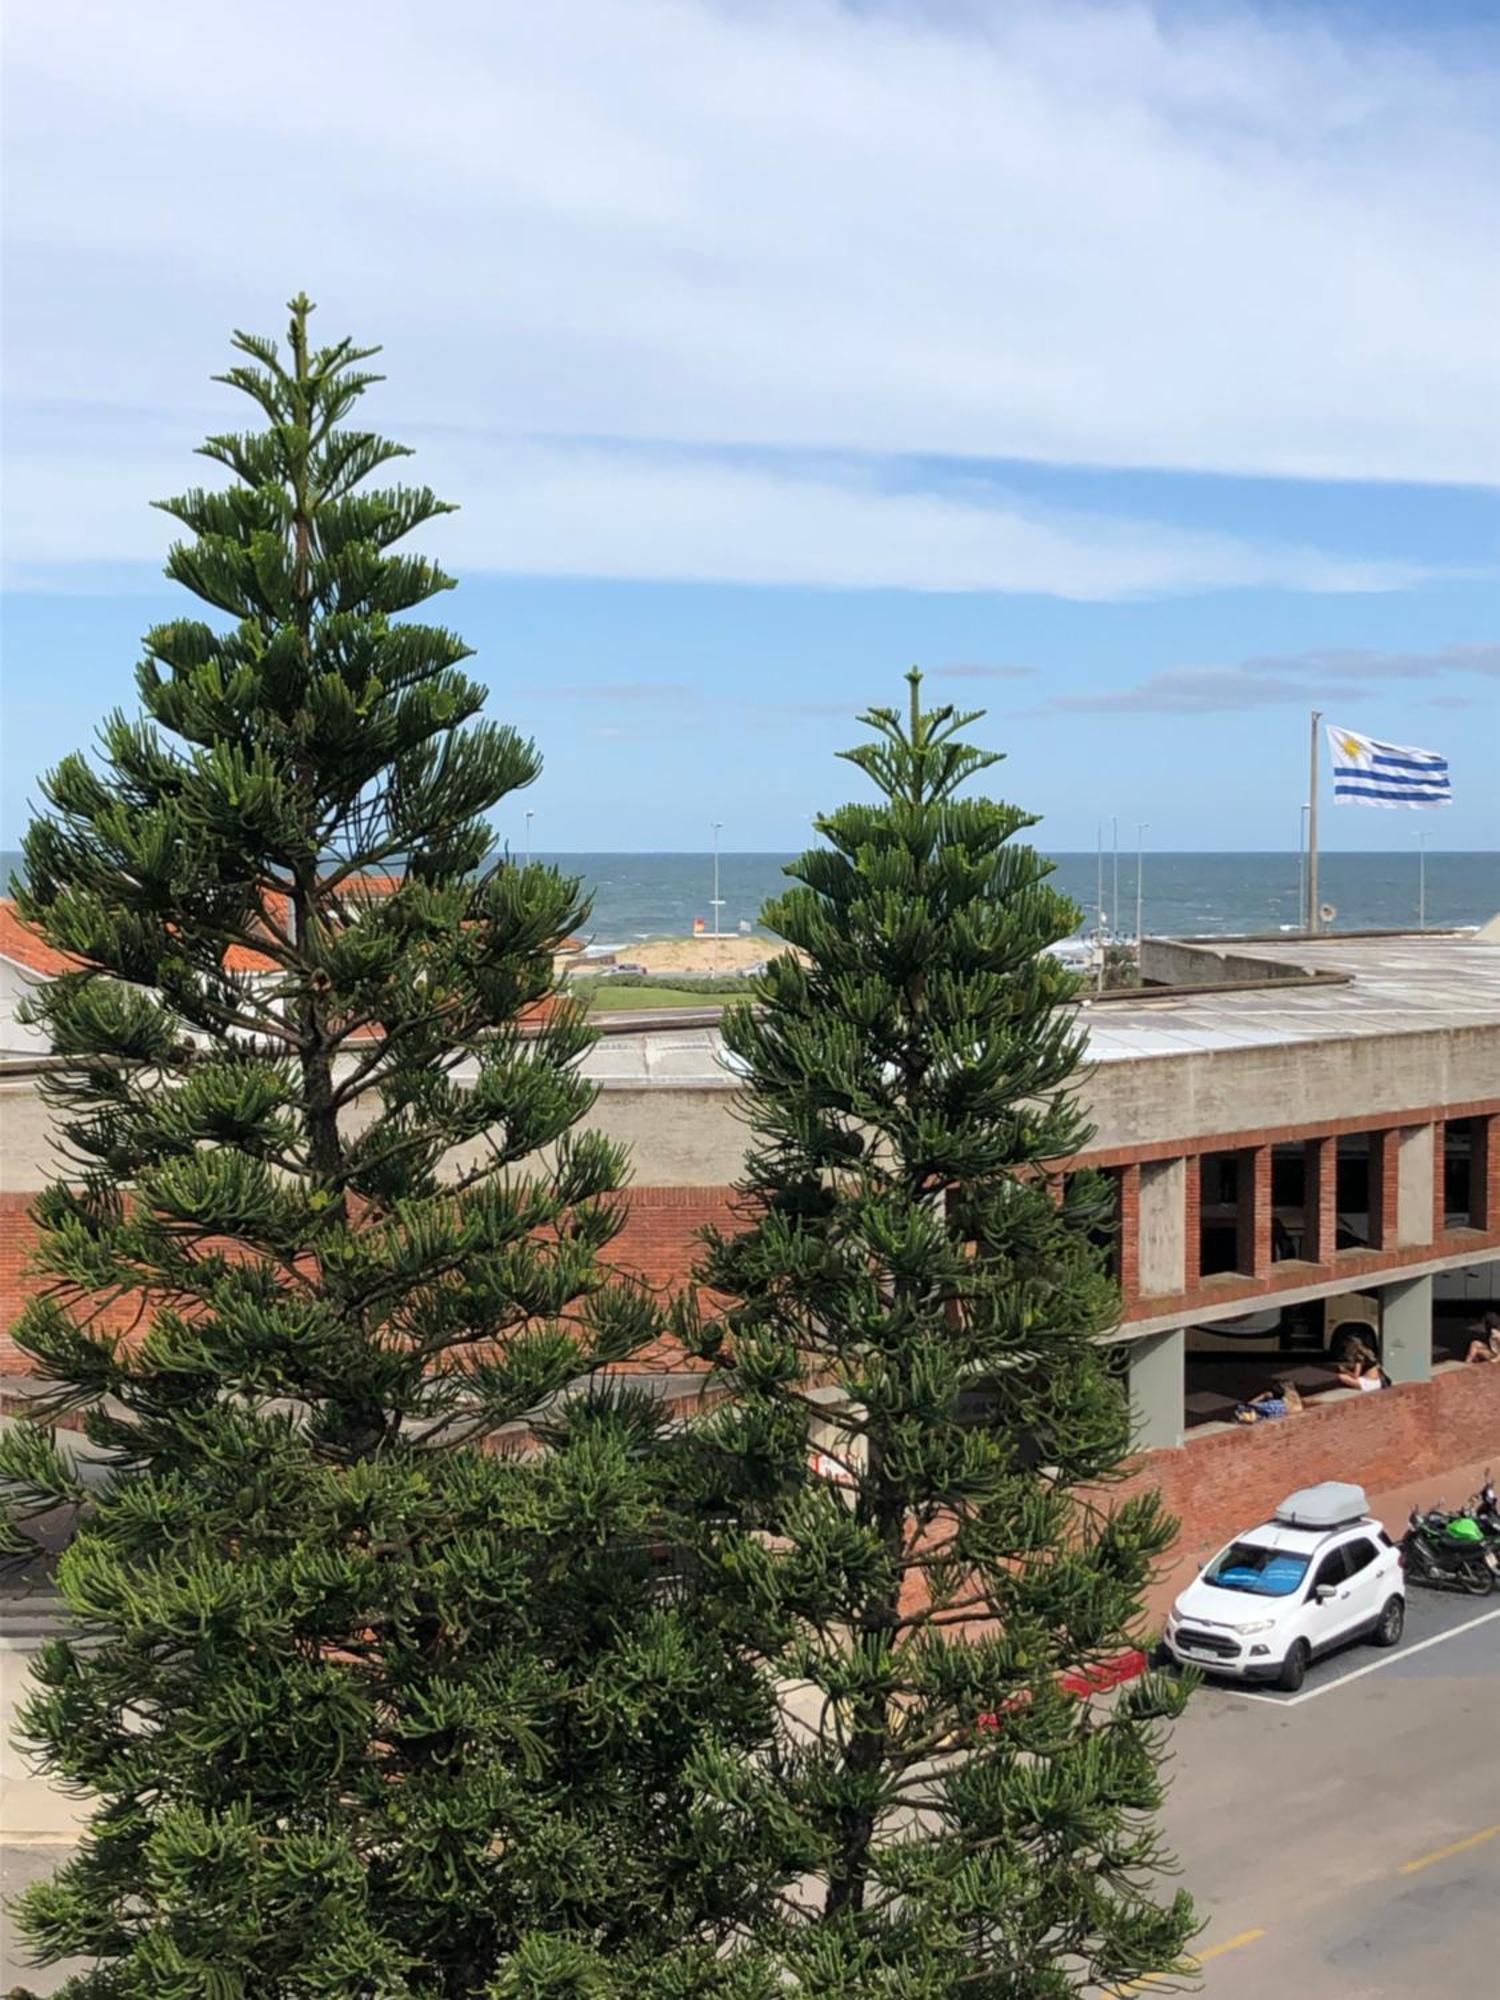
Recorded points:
1132,370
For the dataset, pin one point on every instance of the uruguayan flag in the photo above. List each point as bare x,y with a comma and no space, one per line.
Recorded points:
1370,773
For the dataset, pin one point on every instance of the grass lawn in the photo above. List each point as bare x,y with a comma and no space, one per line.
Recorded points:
611,996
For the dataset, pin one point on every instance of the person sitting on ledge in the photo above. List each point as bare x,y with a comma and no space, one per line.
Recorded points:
1485,1346
1280,1400
1362,1371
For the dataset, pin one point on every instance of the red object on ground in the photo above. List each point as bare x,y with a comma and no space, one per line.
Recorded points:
1080,1681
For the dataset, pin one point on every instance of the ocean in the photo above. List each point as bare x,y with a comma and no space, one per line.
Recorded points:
658,895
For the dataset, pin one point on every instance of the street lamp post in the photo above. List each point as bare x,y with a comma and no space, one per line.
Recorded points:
1302,867
1142,827
529,818
1099,910
1114,892
1422,839
717,899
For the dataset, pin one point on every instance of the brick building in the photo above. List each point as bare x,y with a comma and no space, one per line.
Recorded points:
1300,1132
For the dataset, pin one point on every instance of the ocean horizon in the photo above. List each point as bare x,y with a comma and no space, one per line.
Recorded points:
640,895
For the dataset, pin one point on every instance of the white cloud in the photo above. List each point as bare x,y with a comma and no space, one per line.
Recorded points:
548,510
1051,231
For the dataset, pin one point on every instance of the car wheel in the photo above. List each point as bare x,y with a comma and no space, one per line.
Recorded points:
1294,1668
1392,1623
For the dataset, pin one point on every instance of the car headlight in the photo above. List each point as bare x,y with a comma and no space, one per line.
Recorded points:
1261,1625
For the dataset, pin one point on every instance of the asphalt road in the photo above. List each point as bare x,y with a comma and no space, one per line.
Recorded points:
1345,1844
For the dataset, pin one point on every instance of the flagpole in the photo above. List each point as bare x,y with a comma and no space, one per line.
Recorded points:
1312,825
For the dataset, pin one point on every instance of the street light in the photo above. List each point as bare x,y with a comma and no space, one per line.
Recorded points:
1302,916
529,818
717,899
1422,839
1142,827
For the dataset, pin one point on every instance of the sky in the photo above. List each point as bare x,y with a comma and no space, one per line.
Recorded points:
1132,370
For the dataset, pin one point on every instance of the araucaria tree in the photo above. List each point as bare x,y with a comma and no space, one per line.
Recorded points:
924,1284
371,1703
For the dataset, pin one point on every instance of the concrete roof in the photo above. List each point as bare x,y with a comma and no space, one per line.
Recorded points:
1398,985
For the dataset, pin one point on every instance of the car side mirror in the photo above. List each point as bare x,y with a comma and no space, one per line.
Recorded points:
1324,1591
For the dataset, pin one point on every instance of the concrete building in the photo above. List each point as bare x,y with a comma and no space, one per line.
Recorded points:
1299,1132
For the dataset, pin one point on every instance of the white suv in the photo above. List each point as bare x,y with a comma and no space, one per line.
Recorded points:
1321,1573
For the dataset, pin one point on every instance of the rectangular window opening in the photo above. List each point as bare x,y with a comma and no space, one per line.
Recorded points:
1291,1190
1458,1173
1220,1177
1352,1192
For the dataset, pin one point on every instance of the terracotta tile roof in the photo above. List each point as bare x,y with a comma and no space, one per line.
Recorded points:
372,886
243,957
23,947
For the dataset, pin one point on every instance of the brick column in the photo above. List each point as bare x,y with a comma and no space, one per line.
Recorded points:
1484,1173
1253,1249
1192,1240
1321,1220
1439,1179
1128,1182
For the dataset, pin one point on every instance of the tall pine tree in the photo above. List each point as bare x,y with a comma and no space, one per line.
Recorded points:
370,1703
921,1283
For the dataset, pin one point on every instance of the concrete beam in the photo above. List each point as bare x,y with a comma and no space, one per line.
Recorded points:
1406,1329
1156,1374
1360,1276
1415,1159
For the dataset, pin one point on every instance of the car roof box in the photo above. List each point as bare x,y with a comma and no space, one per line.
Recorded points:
1327,1506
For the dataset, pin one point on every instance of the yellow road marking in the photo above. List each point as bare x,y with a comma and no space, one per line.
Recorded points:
1150,1979
1229,1944
1444,1853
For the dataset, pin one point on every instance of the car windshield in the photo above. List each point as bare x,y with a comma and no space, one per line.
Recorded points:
1262,1572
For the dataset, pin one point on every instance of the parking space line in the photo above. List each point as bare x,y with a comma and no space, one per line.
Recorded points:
1358,1673
1445,1853
1149,1979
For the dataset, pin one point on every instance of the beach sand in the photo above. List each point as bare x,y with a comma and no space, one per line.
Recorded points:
707,954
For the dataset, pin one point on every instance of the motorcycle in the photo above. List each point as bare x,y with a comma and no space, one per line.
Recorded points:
1485,1508
1448,1552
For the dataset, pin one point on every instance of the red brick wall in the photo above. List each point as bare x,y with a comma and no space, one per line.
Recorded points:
1484,1184
1321,1208
1129,1182
17,1284
658,1243
1215,1484
1224,1481
1276,1135
1253,1252
1192,1239
16,1237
